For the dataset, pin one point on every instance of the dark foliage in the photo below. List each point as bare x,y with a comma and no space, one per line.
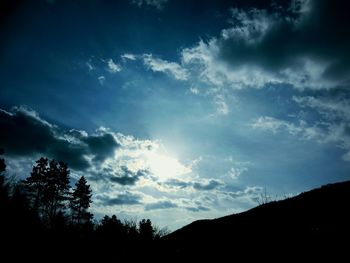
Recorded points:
40,215
48,188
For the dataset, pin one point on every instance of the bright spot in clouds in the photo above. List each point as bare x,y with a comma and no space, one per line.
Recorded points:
165,167
146,155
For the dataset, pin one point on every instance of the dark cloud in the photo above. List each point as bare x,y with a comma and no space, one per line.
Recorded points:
24,133
102,146
160,205
125,176
250,192
198,208
178,183
126,198
212,184
318,30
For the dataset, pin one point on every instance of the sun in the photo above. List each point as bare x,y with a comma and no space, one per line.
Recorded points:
165,167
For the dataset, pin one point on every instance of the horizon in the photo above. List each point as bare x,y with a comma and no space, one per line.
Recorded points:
177,110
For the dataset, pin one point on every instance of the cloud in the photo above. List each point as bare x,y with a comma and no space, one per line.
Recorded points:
329,107
236,172
171,68
177,183
197,208
125,176
24,133
250,192
321,131
113,67
210,185
200,185
221,105
126,198
158,4
102,145
101,80
160,205
277,46
333,125
194,90
128,56
112,162
89,66
274,125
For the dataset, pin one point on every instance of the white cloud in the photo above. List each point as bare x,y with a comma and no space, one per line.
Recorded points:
330,108
128,56
321,132
113,67
171,68
205,59
274,125
101,80
194,90
334,127
142,156
228,60
221,105
236,172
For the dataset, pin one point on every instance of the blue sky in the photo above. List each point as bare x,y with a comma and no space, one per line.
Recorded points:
178,110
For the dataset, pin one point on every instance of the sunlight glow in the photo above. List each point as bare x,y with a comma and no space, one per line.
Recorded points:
165,167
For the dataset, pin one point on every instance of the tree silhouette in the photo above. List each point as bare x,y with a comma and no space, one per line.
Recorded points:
48,188
80,202
35,184
3,185
146,230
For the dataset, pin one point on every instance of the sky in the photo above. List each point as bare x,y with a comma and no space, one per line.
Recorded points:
178,110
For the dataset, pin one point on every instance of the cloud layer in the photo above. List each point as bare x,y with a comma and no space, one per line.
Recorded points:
124,172
278,46
24,133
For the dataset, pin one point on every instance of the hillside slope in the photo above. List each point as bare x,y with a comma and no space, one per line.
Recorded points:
316,221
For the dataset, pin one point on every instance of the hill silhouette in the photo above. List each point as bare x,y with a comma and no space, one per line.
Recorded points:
314,223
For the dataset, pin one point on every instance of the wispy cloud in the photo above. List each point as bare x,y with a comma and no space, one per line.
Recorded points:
113,67
274,125
158,4
160,205
159,65
322,132
332,108
128,56
101,80
89,66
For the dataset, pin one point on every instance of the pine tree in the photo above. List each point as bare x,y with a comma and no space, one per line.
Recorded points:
80,202
35,184
48,188
56,191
